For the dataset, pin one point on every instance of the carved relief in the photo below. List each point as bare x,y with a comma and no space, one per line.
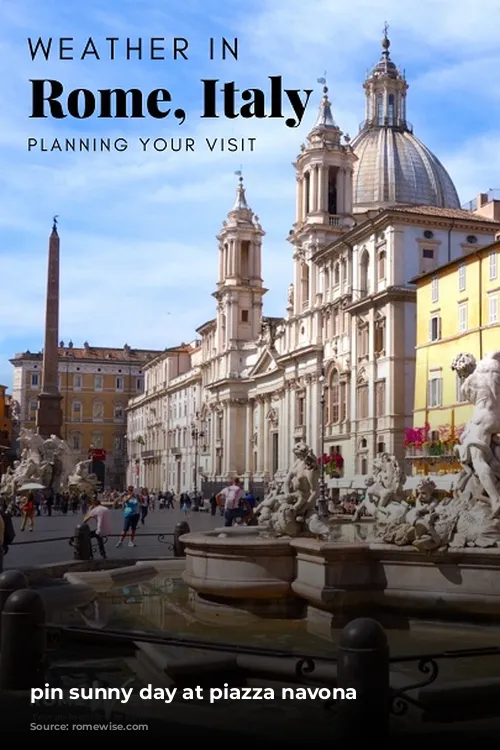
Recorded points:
272,417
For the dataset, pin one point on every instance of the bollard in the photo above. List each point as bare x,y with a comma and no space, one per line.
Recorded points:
181,528
23,641
363,664
82,543
10,581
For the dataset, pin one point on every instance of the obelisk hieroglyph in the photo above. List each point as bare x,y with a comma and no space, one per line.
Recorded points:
49,417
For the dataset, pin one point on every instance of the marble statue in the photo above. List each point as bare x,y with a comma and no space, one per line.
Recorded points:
43,461
286,510
82,480
471,517
290,295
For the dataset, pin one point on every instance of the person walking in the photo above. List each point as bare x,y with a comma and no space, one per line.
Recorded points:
131,518
233,497
103,523
144,505
28,512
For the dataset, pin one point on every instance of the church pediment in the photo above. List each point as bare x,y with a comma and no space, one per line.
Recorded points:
266,363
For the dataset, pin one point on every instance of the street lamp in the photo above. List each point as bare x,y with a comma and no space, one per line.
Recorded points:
196,434
322,502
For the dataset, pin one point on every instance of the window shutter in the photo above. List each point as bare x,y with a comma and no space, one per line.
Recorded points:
430,329
439,392
439,328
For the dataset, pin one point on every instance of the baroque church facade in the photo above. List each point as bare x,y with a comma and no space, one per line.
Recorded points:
371,214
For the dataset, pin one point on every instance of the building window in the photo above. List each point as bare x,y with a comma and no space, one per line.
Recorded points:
76,441
304,283
363,401
379,337
459,397
35,380
33,404
96,438
462,317
381,264
493,265
435,391
435,290
300,419
363,340
493,308
427,260
119,444
244,316
98,383
380,109
97,411
119,413
391,110
333,399
119,383
336,274
363,273
139,384
77,382
461,278
380,399
435,328
275,452
76,411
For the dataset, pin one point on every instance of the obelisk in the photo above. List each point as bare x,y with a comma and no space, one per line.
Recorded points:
49,417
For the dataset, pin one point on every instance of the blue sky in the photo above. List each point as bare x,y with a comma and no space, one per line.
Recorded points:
139,255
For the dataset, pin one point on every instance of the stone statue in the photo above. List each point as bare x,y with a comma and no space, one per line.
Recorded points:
285,511
290,295
82,480
43,461
478,451
383,487
471,517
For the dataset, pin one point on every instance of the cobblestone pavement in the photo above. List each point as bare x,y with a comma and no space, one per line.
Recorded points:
43,553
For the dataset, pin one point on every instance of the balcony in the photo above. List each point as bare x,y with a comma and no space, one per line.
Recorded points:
149,454
176,451
435,452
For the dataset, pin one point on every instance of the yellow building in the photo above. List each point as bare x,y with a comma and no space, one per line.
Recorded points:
458,310
96,384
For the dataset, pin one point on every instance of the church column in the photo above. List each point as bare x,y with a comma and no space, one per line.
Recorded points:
314,188
348,193
226,467
221,262
260,443
213,441
266,408
249,438
321,188
297,290
298,217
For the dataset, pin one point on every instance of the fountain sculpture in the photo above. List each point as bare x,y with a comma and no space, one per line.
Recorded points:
49,463
375,558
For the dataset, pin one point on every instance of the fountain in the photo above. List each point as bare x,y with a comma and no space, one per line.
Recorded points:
48,463
436,557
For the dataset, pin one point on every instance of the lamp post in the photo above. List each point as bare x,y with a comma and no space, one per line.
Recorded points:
196,434
322,502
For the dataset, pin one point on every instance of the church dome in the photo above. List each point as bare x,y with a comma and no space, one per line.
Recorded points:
393,165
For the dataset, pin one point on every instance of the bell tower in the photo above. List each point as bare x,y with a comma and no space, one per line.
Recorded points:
324,170
239,287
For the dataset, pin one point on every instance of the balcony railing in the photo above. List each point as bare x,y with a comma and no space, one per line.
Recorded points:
434,452
385,122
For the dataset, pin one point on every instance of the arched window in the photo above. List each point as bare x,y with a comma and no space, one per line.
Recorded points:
343,271
380,109
381,265
391,109
363,273
76,441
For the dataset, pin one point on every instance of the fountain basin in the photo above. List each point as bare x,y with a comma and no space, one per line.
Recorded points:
351,579
239,564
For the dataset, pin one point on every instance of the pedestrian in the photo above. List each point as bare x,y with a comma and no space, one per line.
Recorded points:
103,523
144,505
213,505
233,497
131,518
28,512
185,503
